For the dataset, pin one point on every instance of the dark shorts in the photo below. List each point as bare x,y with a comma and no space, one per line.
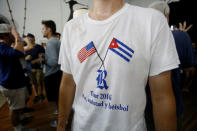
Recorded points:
36,76
52,84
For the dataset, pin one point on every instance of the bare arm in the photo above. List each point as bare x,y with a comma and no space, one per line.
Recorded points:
28,57
19,45
38,60
66,97
164,106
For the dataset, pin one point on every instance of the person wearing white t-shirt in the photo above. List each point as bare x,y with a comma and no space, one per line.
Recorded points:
107,57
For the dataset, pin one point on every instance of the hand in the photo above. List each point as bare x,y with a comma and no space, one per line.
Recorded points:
42,58
28,57
36,61
28,48
41,54
26,40
183,27
15,33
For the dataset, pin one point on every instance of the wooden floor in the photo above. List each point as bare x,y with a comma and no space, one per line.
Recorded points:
43,114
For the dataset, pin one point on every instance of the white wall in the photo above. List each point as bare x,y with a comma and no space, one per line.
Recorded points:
143,3
38,10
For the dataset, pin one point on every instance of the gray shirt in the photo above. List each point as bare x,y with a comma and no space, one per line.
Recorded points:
52,56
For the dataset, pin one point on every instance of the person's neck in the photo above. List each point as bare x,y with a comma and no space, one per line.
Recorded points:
49,36
103,9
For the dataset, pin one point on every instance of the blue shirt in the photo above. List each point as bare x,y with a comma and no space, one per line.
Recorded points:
34,53
52,56
184,49
187,59
11,72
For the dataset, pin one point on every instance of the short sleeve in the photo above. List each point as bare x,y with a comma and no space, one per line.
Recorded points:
164,55
64,55
11,52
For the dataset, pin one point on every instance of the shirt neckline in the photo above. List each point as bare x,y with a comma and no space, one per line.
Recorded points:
110,19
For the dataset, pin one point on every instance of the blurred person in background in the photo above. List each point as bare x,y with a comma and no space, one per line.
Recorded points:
58,35
12,78
52,68
35,56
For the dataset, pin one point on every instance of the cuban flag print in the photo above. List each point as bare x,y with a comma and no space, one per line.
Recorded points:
86,51
121,49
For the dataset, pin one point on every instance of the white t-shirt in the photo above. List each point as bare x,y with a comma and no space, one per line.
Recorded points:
133,44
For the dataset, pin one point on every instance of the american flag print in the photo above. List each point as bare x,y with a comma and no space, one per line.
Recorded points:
86,51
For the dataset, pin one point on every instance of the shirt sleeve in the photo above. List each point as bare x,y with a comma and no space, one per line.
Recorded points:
164,56
10,52
65,56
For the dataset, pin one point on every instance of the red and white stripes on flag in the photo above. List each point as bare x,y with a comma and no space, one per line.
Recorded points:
86,51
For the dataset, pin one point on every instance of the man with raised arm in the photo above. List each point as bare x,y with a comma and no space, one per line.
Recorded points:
12,78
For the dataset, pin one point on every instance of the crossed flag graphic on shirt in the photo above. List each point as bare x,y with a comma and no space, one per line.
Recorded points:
116,46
